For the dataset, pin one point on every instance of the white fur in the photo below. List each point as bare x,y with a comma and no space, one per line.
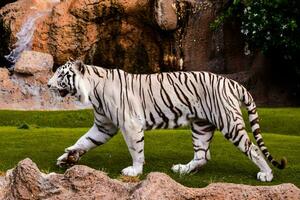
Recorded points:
126,102
84,90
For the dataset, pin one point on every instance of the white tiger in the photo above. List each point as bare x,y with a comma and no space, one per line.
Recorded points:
137,102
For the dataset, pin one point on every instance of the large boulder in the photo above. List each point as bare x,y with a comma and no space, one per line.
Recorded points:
32,62
26,181
161,186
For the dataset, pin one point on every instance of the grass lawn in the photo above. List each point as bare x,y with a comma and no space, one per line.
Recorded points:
163,148
272,120
62,119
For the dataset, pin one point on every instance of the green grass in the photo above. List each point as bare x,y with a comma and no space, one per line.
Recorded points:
163,148
278,120
272,120
62,119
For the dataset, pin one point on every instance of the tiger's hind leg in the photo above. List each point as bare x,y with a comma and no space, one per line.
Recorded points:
202,133
239,137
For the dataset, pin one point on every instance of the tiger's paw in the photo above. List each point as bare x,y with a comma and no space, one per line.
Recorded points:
62,160
70,158
265,176
132,171
181,169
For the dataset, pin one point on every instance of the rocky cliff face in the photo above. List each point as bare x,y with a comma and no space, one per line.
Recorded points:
138,36
141,36
26,181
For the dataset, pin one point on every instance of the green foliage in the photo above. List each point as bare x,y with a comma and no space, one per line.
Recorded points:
271,26
231,9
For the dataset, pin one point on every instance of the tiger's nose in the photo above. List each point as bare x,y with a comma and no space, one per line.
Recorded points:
49,85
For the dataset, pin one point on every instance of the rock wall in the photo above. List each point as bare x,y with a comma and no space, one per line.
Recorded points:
4,2
26,88
144,36
138,36
26,181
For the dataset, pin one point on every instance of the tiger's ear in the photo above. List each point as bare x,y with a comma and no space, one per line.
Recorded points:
79,65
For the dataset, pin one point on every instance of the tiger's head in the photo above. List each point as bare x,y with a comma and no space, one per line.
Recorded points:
68,79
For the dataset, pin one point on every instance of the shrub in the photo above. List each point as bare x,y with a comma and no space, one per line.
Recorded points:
24,126
272,27
267,25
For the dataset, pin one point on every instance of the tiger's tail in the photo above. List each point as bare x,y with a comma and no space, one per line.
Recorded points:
247,99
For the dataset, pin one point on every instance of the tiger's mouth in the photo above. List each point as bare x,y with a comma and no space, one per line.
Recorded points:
63,92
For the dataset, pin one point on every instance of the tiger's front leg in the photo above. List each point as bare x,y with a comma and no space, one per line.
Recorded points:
96,136
135,142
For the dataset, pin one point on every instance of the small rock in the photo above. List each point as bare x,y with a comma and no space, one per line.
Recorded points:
24,180
32,62
5,83
166,14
